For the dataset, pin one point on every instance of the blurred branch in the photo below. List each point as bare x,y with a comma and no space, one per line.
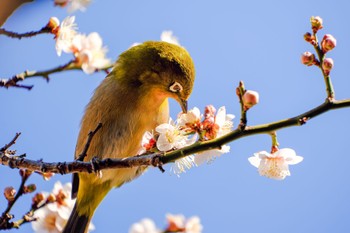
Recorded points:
158,159
8,7
13,82
11,34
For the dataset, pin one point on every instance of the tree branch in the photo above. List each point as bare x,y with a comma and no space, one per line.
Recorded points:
13,82
157,159
16,35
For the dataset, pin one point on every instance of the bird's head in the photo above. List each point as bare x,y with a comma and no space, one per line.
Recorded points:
159,67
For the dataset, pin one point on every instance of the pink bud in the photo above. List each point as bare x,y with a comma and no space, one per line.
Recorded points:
37,199
328,43
51,198
308,37
9,193
327,65
308,58
250,98
316,23
61,3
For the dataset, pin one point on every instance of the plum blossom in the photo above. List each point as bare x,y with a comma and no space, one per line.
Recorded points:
65,34
89,52
171,137
216,126
146,225
167,36
275,165
190,121
178,223
53,217
73,5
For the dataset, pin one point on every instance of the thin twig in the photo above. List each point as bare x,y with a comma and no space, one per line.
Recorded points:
88,142
11,143
6,216
326,77
16,35
13,82
240,90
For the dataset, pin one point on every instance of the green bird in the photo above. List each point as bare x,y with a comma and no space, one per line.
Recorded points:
131,100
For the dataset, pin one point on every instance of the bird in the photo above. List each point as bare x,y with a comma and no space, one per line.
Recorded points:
131,100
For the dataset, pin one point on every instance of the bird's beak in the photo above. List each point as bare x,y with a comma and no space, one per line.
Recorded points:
183,104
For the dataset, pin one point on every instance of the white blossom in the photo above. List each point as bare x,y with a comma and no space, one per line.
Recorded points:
170,137
275,165
167,36
73,5
193,225
89,52
191,119
78,5
65,35
146,225
178,223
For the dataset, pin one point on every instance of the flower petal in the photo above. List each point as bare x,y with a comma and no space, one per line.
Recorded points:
255,161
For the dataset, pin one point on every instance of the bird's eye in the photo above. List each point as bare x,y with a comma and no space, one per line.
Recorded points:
175,87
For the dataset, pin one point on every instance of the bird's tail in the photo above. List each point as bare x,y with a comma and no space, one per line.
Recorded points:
77,223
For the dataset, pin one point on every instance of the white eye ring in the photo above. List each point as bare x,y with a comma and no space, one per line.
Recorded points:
176,87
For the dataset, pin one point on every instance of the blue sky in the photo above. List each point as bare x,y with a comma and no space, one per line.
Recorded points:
259,42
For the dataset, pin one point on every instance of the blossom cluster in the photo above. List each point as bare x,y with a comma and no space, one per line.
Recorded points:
52,217
88,50
175,223
189,128
327,44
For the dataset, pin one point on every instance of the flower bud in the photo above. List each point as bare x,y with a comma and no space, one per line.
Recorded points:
30,188
327,65
9,193
37,199
61,3
61,196
316,23
25,173
250,98
53,25
308,37
308,58
328,43
51,198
